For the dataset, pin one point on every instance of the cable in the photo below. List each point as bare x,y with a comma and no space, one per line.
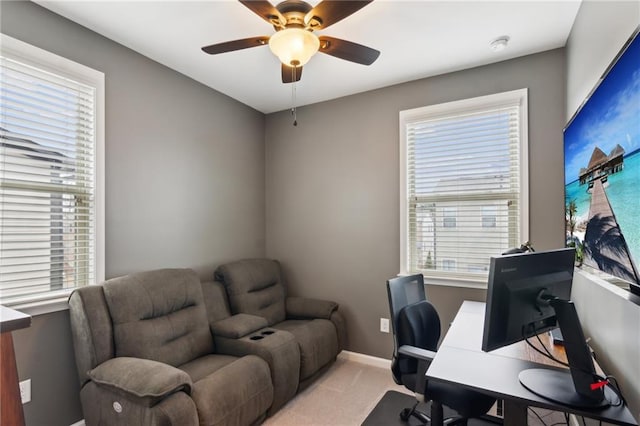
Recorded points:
294,109
537,415
546,353
616,389
566,417
550,355
612,382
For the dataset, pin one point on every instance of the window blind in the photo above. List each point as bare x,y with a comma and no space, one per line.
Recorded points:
47,181
463,188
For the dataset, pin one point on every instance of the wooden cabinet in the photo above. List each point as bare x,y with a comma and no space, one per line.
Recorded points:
10,403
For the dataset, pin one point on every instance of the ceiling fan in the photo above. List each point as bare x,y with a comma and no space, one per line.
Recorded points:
294,41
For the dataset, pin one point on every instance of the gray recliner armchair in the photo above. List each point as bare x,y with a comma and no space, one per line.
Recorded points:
257,298
146,356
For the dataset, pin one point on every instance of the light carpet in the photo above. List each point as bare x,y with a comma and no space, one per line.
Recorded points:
345,395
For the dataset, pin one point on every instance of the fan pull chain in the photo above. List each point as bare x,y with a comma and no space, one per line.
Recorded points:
293,97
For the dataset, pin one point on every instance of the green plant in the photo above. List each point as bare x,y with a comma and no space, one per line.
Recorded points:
428,264
570,213
575,242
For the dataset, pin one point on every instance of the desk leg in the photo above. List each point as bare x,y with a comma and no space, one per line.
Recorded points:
515,413
10,403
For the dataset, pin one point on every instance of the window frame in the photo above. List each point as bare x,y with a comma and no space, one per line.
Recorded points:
519,96
41,59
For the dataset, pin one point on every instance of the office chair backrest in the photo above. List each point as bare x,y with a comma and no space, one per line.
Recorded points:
403,291
416,323
419,326
414,320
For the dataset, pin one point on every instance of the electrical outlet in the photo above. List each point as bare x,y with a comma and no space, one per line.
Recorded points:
384,325
25,391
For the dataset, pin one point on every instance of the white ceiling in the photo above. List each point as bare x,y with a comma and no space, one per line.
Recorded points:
416,39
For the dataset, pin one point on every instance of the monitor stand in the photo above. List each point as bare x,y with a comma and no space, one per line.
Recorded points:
557,386
570,387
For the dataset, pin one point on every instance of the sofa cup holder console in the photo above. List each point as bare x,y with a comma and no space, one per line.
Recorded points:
262,335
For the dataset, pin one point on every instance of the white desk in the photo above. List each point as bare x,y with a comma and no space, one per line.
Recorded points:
460,360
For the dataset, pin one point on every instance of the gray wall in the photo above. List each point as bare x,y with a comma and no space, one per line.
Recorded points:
332,183
610,316
184,185
599,32
333,187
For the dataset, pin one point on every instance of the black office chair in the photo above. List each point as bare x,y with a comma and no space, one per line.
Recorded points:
416,331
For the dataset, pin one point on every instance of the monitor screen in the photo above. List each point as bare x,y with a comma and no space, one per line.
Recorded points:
520,288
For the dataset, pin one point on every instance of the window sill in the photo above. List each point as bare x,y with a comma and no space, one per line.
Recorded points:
479,283
451,282
41,304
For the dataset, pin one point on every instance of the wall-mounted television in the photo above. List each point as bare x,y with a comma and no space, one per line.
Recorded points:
602,171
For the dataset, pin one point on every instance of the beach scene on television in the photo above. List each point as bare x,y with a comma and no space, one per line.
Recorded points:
602,172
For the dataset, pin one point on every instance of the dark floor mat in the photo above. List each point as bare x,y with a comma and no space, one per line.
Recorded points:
387,412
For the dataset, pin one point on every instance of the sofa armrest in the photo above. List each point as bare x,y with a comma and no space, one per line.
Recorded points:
303,307
341,328
145,381
238,325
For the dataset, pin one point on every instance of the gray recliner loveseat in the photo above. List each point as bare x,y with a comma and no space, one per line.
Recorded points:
162,348
299,337
146,356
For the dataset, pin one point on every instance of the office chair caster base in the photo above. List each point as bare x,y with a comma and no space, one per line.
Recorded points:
408,412
405,414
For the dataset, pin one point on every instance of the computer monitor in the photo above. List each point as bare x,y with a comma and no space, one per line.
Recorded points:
516,283
529,293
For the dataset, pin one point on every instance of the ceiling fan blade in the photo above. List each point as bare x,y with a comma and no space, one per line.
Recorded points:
328,12
266,11
291,74
229,46
348,50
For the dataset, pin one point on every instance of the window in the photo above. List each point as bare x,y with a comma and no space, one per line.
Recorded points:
448,264
463,185
449,217
489,215
51,169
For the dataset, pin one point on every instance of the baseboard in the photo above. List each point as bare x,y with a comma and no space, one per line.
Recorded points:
79,423
365,359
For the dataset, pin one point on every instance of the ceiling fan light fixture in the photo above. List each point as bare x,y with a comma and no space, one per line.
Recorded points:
294,46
